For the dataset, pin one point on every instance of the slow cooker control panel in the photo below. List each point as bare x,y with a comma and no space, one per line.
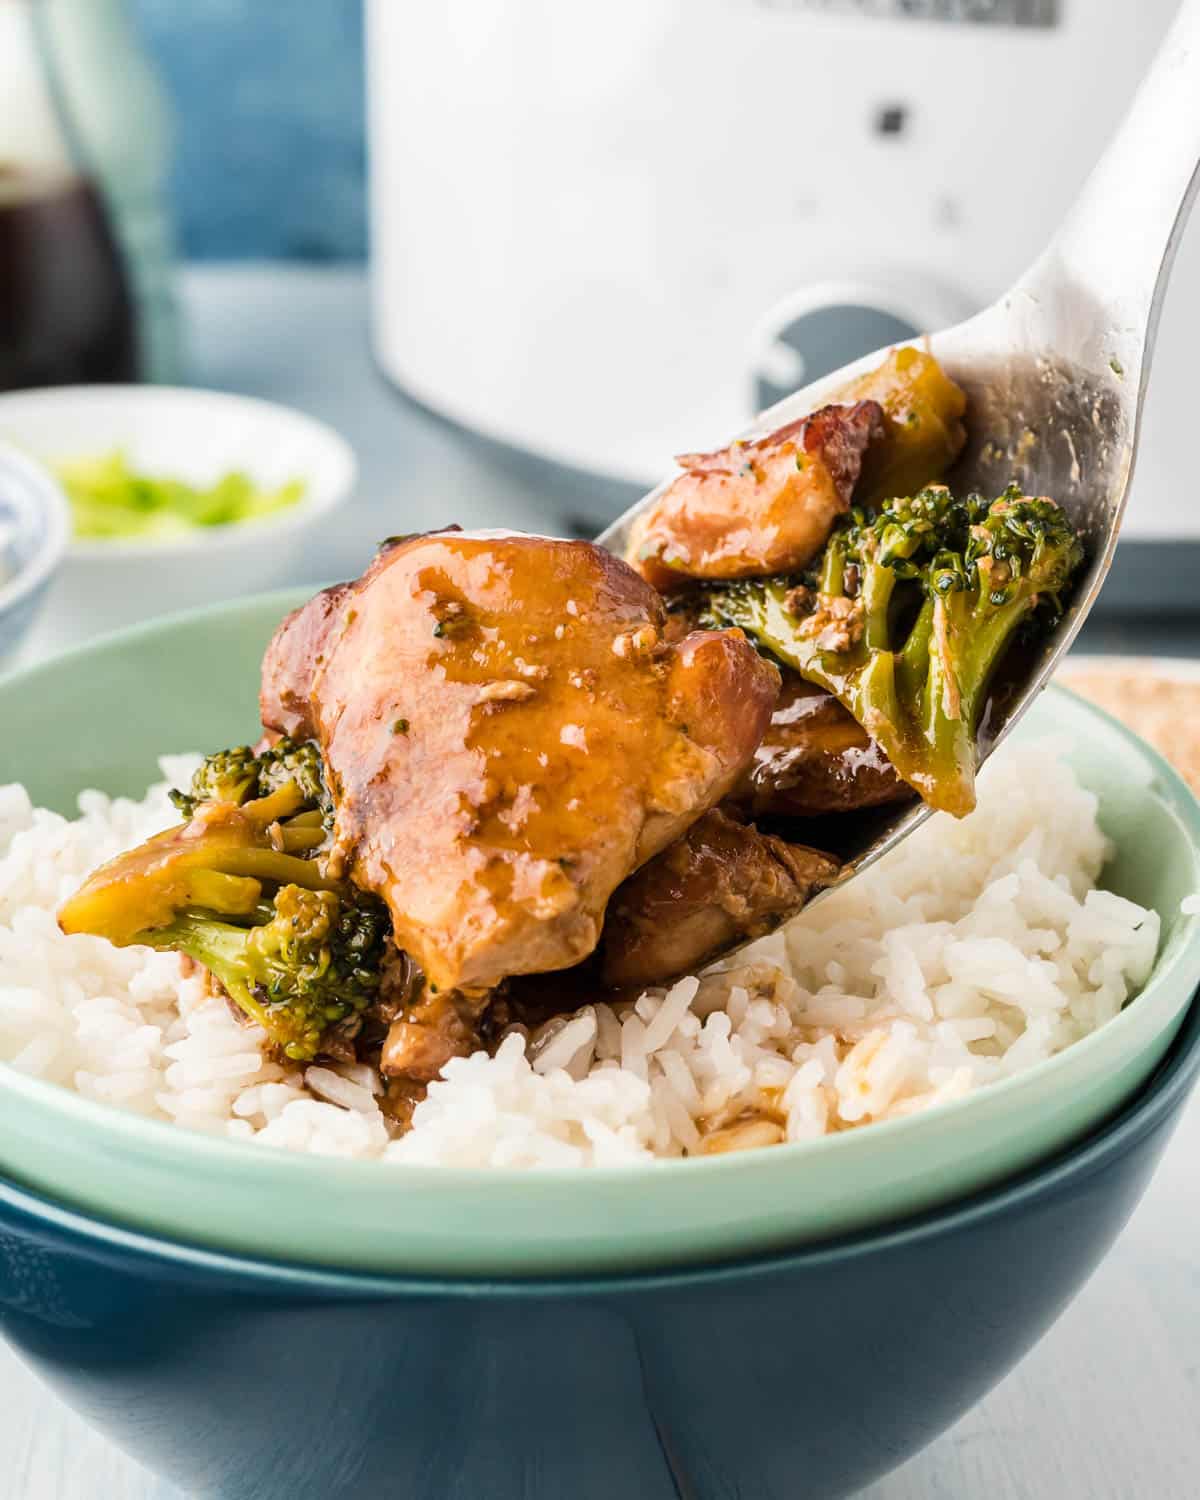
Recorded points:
972,12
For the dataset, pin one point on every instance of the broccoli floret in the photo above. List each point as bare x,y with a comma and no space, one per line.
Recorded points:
239,775
227,776
907,615
310,961
243,891
298,761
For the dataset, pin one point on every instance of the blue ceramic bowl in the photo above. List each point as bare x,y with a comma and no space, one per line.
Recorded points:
797,1375
35,528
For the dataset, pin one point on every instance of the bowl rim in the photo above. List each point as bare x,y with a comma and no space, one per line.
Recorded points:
148,1135
316,500
38,480
1165,1091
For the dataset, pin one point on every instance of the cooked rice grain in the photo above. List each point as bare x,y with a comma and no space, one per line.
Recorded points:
975,950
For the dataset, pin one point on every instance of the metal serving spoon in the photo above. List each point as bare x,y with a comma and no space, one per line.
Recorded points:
1055,371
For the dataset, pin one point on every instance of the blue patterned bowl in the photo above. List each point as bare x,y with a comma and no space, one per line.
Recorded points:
35,528
803,1374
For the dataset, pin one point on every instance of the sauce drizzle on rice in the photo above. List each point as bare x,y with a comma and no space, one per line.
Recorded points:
974,950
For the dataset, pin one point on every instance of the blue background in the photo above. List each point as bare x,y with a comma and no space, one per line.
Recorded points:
268,100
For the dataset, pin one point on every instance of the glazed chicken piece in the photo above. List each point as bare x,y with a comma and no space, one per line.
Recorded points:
815,759
296,653
756,507
507,735
722,883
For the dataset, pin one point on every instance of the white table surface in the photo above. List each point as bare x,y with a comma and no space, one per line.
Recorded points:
1106,1408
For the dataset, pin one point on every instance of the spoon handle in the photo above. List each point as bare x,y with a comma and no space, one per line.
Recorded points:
1116,247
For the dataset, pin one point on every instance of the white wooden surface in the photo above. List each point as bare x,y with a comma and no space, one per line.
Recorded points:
1106,1408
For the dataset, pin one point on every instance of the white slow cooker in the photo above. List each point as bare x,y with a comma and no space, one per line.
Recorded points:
606,233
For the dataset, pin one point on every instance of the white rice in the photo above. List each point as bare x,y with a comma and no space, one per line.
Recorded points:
973,951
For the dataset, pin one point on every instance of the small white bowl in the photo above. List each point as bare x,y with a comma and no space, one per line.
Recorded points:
193,435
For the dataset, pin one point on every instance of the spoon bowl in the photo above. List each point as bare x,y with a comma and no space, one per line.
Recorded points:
1055,370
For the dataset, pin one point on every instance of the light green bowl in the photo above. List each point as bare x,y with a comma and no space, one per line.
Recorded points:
100,716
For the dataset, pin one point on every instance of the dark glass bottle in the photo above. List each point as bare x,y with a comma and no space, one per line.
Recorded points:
66,314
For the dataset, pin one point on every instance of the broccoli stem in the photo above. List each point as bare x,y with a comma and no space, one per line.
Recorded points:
833,568
301,840
230,895
761,612
222,949
986,637
879,585
912,659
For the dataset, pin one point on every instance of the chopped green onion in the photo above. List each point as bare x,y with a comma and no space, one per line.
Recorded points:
110,499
